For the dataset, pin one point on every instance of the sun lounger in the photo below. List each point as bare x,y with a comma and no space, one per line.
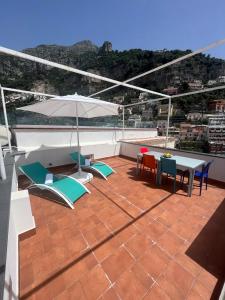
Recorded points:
98,166
66,187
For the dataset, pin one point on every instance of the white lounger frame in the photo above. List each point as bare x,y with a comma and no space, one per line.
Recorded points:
96,170
47,187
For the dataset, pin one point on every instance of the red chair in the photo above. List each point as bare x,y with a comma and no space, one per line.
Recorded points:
150,163
142,151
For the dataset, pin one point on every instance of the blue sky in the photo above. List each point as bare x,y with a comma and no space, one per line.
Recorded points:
146,24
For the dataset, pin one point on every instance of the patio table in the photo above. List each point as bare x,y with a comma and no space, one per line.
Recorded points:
184,162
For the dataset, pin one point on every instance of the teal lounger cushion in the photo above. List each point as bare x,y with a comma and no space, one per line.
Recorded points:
67,186
36,172
103,168
98,165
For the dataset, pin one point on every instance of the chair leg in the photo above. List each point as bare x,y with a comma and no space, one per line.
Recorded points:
142,170
201,183
206,182
161,178
174,185
182,180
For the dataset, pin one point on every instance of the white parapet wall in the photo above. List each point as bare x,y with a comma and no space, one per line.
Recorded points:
21,220
11,286
51,145
216,171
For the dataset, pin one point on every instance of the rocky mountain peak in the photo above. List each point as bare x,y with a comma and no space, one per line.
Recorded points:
85,46
106,47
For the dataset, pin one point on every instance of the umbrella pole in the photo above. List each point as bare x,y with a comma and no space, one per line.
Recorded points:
78,140
123,124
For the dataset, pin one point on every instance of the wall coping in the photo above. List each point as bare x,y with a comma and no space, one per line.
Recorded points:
81,128
174,149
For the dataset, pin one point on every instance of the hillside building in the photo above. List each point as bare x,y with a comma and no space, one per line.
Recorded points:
143,96
173,131
216,129
196,85
221,79
217,106
163,110
211,82
171,90
177,80
193,132
194,116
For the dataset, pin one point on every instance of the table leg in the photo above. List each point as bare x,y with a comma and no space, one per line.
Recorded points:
191,181
158,178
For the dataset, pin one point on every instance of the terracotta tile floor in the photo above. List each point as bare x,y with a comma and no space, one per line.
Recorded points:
128,239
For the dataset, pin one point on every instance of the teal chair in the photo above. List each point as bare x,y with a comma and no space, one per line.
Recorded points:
98,166
66,187
168,166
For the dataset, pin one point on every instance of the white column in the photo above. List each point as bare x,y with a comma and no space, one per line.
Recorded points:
6,118
168,122
123,123
2,165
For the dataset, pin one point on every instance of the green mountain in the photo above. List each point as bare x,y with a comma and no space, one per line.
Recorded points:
120,65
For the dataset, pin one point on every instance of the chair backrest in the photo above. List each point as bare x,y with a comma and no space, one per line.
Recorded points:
35,172
206,167
144,149
149,161
168,165
74,157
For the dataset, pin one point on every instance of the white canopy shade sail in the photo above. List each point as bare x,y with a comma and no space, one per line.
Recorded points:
73,105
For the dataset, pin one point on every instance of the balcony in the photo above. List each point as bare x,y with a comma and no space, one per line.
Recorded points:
127,239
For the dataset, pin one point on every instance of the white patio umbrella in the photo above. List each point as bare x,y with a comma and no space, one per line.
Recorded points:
74,106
